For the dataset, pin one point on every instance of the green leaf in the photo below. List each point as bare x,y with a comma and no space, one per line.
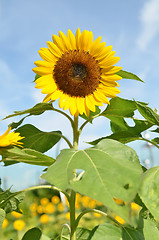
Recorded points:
82,234
10,201
155,140
33,233
91,114
149,191
106,231
150,115
130,233
128,75
120,107
2,217
117,111
36,139
150,230
111,169
26,155
36,110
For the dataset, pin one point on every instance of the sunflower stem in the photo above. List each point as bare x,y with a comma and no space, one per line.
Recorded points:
73,193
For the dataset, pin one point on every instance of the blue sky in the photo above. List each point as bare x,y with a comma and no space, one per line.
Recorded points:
132,27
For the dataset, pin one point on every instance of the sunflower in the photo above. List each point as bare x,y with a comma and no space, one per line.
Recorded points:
78,71
8,139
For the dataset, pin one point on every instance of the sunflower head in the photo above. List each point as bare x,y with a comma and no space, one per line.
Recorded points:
78,71
10,138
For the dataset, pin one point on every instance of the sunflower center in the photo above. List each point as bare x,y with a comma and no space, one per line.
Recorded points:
77,73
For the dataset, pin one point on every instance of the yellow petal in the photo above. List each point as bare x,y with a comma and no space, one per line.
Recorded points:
89,103
54,49
113,77
73,106
100,97
72,40
65,40
109,91
41,63
81,105
111,70
56,95
47,55
63,100
94,45
59,43
104,53
109,62
42,70
109,84
85,41
47,98
50,88
99,49
77,37
67,102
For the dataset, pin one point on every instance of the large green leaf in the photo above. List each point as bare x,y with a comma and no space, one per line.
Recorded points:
128,75
149,191
2,217
106,231
26,155
117,111
36,139
111,170
33,233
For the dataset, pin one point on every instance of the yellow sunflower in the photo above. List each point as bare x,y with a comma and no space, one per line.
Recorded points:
8,139
78,71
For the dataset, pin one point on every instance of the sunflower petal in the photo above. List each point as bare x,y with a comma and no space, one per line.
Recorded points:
42,70
59,43
72,40
54,49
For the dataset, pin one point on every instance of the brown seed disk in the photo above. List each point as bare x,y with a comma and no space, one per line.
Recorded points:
77,73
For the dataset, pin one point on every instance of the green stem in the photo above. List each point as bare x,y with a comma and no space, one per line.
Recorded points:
96,211
65,138
73,193
65,114
45,186
87,121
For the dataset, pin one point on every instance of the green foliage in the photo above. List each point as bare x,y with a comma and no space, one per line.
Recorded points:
98,182
128,75
36,110
26,155
105,231
33,233
2,216
36,139
10,201
149,191
121,109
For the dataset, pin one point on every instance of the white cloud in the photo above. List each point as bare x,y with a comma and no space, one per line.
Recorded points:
150,23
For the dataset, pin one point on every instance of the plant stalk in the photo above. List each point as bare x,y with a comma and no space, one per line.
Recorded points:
73,193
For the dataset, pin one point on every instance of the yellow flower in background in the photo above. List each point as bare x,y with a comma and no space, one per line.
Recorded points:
135,206
33,207
5,223
60,207
44,201
119,219
49,208
19,225
78,71
44,218
98,215
16,214
8,139
55,199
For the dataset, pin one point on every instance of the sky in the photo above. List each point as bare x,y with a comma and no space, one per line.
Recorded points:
132,27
